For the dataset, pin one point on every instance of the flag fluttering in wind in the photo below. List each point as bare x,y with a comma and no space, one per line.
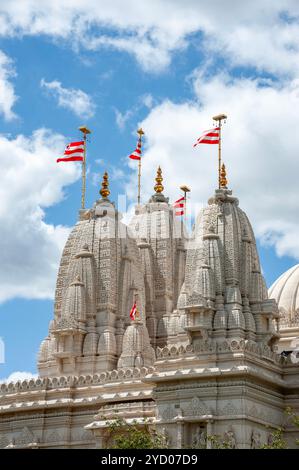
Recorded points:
74,152
209,137
133,311
179,206
213,136
136,155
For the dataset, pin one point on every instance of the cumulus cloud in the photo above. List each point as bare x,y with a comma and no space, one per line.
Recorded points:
122,118
264,34
30,182
77,101
7,93
147,100
19,376
260,147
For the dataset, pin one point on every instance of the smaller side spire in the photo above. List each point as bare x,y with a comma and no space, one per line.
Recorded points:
159,186
77,281
223,179
104,191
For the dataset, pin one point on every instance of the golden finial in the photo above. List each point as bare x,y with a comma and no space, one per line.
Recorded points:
104,191
223,180
159,186
140,132
84,130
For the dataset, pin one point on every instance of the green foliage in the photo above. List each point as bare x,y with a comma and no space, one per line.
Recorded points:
294,419
276,437
218,443
122,435
276,440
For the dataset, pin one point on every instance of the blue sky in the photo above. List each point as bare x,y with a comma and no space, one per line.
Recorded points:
168,66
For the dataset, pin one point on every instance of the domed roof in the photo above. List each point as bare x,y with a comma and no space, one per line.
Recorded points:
95,250
222,256
100,273
286,293
224,293
137,351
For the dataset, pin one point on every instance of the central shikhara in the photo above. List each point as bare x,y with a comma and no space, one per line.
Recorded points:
200,359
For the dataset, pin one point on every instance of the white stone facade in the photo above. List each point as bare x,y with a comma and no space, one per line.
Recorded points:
200,360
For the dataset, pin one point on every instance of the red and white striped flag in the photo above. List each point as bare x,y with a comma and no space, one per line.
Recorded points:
209,137
136,155
133,311
74,152
180,206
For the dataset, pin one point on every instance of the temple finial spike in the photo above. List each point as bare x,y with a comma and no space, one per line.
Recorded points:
223,179
104,191
159,186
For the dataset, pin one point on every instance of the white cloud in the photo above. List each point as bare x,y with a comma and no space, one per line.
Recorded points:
115,173
19,376
122,118
147,100
153,54
77,101
260,148
149,31
264,34
31,181
7,93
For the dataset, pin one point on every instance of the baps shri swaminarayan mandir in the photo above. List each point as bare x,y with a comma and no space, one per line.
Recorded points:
209,352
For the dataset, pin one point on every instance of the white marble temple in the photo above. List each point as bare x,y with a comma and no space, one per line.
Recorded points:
201,359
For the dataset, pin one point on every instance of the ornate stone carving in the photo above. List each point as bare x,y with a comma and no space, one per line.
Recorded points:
229,409
53,436
3,441
168,413
196,407
203,309
199,438
254,411
166,438
255,439
230,439
25,437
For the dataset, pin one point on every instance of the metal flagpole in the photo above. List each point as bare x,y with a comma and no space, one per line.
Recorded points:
84,131
219,118
140,133
137,314
185,190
